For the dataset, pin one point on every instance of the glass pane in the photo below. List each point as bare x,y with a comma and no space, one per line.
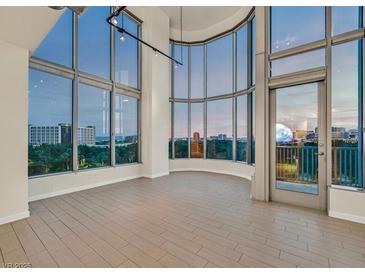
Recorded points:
57,46
181,130
127,53
219,66
299,62
219,129
345,19
295,26
197,130
346,150
297,138
181,72
126,129
241,128
253,51
253,127
170,139
50,124
93,132
94,42
241,45
197,71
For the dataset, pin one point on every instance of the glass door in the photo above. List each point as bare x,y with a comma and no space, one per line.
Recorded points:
298,145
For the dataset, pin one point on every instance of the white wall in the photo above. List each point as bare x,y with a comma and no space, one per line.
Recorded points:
346,204
14,132
48,186
217,166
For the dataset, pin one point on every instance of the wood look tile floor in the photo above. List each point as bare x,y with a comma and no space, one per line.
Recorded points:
186,219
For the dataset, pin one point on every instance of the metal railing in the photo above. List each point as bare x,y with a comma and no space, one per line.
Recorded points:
299,164
345,165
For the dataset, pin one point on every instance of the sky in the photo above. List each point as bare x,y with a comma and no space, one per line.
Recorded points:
50,96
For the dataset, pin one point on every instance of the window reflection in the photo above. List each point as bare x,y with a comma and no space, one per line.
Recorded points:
127,53
93,131
57,46
126,129
197,71
94,42
181,130
345,19
295,26
241,54
219,129
241,143
181,72
299,62
219,66
346,150
197,130
50,124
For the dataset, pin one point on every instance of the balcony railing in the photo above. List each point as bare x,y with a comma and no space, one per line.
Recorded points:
299,164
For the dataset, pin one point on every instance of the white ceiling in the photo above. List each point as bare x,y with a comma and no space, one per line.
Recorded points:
26,26
199,18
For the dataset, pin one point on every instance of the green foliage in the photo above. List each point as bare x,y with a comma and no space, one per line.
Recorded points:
54,158
126,154
219,149
48,158
93,156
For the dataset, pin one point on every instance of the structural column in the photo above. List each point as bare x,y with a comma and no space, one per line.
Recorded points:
260,186
155,94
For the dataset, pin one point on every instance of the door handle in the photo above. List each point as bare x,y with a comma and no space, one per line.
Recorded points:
319,154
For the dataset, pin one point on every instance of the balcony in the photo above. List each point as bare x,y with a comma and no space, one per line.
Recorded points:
297,167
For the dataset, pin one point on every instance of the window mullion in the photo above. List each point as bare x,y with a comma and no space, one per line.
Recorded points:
75,92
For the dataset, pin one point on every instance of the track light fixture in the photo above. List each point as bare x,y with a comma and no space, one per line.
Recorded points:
114,23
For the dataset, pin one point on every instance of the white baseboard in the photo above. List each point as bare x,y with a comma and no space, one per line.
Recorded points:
14,217
247,177
79,188
348,217
153,176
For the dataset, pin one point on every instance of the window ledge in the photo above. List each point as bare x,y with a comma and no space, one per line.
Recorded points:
347,188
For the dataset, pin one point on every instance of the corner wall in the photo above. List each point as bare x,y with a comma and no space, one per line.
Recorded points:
14,133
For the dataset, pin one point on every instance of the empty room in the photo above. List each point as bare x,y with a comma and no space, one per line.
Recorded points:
180,135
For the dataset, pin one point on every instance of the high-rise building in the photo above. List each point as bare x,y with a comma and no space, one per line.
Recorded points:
38,135
86,135
61,134
66,133
196,137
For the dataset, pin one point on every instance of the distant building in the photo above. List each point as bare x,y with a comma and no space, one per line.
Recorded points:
38,135
66,133
222,137
196,137
353,133
86,135
61,134
338,132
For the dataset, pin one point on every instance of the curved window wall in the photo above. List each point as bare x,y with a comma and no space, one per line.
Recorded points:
84,92
212,97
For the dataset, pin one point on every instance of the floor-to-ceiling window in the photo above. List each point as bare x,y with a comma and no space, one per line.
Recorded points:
320,44
212,97
84,95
